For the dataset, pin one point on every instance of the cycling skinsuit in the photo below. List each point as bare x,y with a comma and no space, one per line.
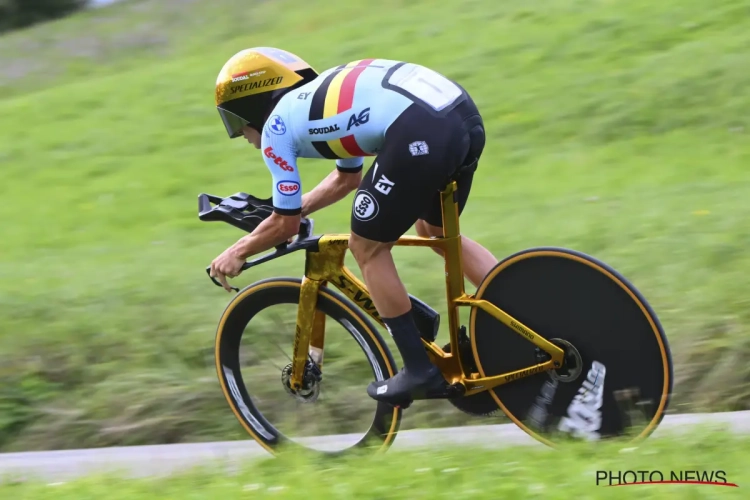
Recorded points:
420,126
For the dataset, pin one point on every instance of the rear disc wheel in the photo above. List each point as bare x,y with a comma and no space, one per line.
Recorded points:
623,381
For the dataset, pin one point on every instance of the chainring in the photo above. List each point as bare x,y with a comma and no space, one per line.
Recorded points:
478,405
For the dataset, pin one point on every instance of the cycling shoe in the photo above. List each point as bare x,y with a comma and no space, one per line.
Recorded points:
405,387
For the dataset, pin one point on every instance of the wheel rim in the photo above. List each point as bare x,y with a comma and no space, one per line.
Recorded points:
542,392
268,429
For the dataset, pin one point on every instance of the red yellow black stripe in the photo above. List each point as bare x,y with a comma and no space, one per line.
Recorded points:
334,96
322,148
319,98
351,146
346,91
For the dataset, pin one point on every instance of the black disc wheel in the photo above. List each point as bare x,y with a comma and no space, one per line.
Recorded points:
331,413
616,379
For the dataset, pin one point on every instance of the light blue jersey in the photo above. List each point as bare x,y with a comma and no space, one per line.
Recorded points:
343,114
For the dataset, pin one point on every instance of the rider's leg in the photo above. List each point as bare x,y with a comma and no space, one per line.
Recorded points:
476,260
392,301
380,275
422,150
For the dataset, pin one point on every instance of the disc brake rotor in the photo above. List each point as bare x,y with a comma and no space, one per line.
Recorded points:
311,378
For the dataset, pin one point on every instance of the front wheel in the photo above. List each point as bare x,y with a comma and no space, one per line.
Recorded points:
254,344
620,376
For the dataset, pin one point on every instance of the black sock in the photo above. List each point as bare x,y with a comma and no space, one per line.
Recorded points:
406,336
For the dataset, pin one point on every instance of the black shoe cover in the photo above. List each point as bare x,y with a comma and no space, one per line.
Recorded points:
404,387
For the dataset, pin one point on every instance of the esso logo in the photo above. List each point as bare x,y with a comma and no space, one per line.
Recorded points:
365,206
287,188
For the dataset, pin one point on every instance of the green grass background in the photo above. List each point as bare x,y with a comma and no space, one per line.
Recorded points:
616,128
461,472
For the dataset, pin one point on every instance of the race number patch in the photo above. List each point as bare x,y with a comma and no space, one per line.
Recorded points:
427,85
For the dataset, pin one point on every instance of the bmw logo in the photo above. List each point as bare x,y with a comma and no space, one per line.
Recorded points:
276,124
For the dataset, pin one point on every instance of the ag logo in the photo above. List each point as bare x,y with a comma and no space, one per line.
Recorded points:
276,124
287,188
365,206
361,119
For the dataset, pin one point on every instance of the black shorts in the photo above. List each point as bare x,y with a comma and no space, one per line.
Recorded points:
422,151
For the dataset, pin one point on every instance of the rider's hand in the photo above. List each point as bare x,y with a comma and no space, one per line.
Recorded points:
227,264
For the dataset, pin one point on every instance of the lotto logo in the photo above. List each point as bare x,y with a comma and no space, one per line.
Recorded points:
277,160
365,206
287,188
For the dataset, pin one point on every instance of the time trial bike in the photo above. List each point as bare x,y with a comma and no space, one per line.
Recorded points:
557,340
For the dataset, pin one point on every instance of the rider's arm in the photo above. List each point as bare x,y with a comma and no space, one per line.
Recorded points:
281,159
334,187
272,231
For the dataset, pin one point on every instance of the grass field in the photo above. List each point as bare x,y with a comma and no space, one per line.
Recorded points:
520,472
619,129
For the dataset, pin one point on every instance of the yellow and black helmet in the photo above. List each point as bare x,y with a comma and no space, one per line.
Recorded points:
251,83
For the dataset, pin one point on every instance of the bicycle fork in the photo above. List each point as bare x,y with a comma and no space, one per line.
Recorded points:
310,332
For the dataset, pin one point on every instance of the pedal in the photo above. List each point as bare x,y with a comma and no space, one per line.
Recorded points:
448,392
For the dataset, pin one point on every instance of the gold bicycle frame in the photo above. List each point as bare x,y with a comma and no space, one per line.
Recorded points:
326,265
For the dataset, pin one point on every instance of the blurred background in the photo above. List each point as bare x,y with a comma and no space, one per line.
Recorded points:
619,129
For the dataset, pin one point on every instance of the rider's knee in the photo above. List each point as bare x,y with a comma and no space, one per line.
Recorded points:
365,250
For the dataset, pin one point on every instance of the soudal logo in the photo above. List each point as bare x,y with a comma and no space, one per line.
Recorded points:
278,160
287,188
324,130
238,77
256,85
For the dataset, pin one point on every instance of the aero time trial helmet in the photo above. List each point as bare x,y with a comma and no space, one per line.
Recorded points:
251,83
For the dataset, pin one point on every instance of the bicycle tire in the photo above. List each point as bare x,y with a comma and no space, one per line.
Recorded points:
257,297
565,294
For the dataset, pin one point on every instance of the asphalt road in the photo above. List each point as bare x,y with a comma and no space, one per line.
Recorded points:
139,461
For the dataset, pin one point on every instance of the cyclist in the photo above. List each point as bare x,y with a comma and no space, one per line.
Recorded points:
423,130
